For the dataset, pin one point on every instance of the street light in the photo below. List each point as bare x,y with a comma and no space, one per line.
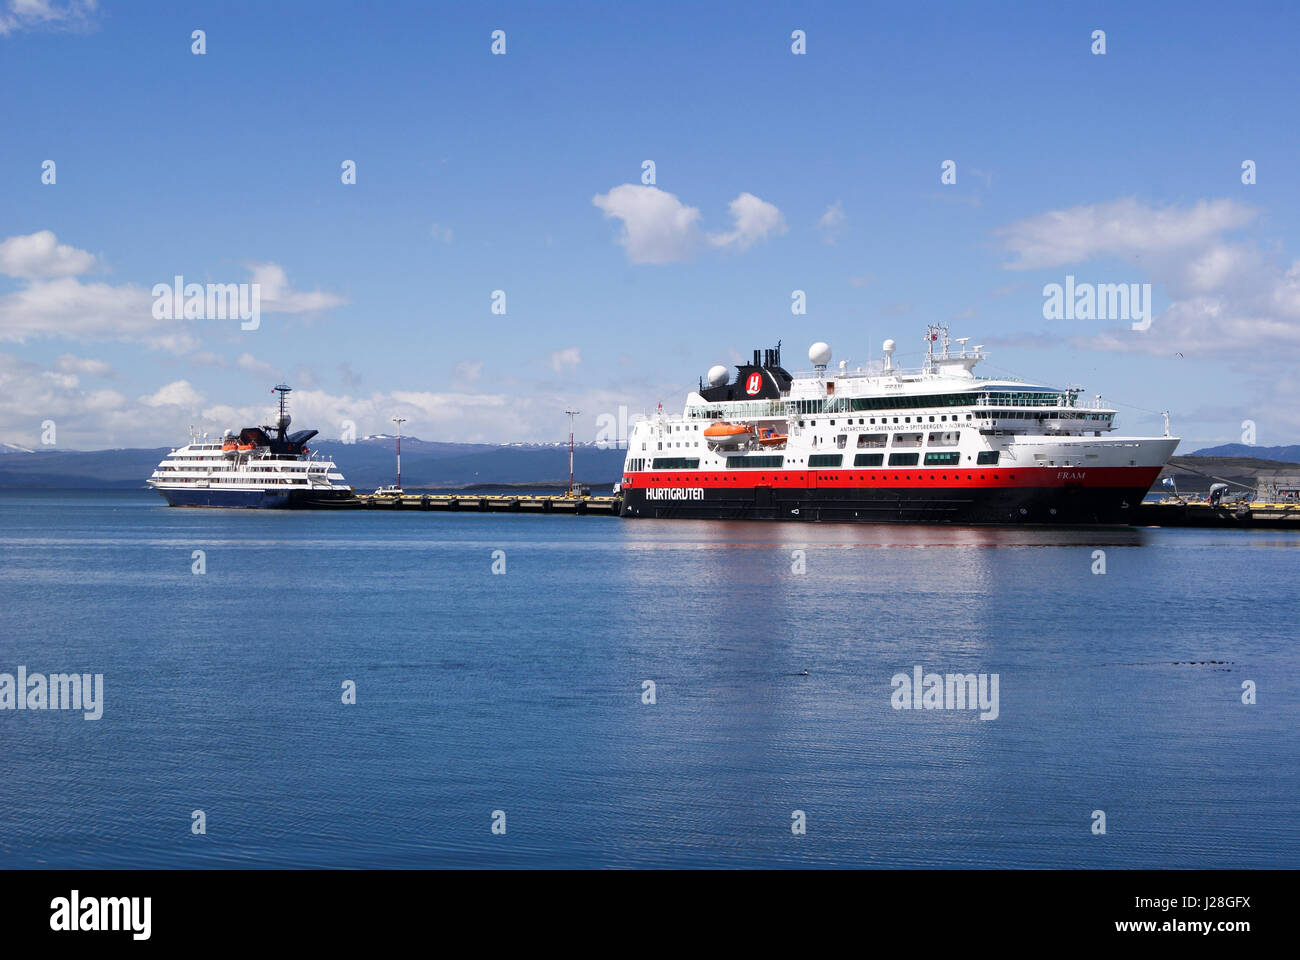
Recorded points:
572,414
399,421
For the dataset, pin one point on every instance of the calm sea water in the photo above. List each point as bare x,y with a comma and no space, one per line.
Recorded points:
522,692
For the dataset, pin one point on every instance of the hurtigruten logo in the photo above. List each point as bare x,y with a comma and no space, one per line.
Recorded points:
674,493
75,913
946,691
58,691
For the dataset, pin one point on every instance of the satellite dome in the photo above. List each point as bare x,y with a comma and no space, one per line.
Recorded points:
889,346
717,375
820,354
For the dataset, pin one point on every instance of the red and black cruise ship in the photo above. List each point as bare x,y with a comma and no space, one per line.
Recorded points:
940,445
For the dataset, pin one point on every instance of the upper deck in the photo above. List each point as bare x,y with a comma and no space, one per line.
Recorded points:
946,382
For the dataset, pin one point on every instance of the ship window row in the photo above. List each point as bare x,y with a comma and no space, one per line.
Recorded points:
207,468
1014,399
938,438
1067,415
841,404
864,421
244,481
984,458
946,458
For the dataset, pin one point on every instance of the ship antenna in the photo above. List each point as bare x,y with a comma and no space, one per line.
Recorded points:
282,423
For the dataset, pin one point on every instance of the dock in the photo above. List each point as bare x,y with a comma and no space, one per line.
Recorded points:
488,503
1242,515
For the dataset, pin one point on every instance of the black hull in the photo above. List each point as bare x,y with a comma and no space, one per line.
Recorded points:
1003,505
255,499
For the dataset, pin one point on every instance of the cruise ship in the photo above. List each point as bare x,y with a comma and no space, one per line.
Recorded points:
937,445
257,467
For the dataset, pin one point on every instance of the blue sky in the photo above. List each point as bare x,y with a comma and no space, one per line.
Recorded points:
523,173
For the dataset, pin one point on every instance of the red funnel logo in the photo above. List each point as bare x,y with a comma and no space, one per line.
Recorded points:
754,383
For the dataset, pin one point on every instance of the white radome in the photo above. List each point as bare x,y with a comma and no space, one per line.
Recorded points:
717,375
889,346
820,354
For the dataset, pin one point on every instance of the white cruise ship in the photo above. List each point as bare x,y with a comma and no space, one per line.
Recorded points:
256,467
938,445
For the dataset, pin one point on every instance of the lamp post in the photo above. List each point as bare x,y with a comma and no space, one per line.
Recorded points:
572,414
399,421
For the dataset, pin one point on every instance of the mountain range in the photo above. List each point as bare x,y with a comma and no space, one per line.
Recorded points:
366,463
370,462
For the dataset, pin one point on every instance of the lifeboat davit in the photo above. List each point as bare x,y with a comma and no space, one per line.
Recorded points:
728,434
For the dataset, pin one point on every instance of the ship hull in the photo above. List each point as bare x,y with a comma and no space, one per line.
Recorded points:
258,499
1053,500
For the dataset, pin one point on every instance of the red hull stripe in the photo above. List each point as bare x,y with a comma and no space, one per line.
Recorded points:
896,477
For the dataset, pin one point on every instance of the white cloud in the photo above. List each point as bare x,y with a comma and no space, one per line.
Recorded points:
98,419
250,363
178,393
31,394
53,302
41,255
33,14
85,366
832,223
278,297
566,360
66,307
657,227
1123,228
753,219
1226,297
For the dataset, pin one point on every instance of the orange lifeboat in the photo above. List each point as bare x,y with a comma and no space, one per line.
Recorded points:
772,439
728,434
245,447
228,446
